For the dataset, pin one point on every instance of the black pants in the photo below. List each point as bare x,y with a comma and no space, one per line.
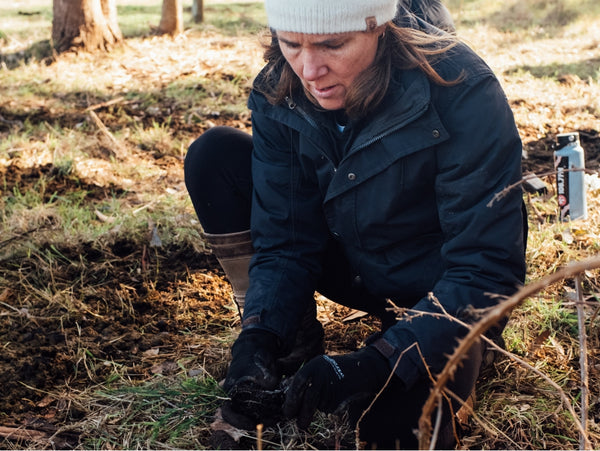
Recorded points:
218,178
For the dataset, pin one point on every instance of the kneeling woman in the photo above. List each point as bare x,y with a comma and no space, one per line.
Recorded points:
376,150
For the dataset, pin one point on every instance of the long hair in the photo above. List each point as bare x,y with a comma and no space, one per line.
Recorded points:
399,47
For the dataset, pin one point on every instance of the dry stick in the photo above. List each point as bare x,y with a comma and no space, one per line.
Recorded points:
104,104
438,424
118,150
541,218
495,315
22,434
509,188
259,430
583,363
357,430
27,232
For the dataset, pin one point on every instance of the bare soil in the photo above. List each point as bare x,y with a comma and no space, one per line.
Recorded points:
538,152
141,310
131,311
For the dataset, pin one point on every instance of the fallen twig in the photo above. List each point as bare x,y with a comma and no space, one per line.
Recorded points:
53,439
12,238
104,104
18,434
527,177
118,150
583,363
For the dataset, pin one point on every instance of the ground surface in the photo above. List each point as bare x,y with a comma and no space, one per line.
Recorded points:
133,318
140,310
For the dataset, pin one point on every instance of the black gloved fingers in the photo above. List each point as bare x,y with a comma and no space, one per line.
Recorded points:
308,391
294,395
253,360
308,407
235,418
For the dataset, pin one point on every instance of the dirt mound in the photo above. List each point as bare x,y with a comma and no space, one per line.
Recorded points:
538,153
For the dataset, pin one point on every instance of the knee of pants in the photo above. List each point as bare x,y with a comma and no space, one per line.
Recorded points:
203,153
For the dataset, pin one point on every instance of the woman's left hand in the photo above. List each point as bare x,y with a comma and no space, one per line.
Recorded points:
326,383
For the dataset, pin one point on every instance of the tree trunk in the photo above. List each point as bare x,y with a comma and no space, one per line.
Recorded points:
171,21
85,24
109,10
198,11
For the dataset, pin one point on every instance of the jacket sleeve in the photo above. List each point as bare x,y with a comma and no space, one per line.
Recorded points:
483,249
288,231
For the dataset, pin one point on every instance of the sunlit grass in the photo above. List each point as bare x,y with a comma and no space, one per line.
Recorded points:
165,92
540,17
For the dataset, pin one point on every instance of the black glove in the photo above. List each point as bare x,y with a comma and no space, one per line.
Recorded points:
253,357
252,380
327,383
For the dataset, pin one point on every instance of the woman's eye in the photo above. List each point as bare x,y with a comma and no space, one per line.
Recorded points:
291,45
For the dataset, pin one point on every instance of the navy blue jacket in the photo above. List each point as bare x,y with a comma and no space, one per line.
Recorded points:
408,202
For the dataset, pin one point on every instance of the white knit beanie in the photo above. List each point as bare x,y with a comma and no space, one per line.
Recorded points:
328,16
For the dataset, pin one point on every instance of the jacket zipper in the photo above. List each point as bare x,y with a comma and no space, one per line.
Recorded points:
387,132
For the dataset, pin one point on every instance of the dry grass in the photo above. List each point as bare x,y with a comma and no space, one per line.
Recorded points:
76,232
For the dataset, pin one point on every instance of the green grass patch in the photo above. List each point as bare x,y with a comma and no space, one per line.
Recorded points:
584,70
163,412
542,17
236,18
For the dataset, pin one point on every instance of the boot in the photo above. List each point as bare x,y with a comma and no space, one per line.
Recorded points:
234,251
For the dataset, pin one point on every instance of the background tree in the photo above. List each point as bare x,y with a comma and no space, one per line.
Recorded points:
171,21
85,24
198,11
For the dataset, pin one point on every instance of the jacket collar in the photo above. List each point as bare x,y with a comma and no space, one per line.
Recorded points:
407,99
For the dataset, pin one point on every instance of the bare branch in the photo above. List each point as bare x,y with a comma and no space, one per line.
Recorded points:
583,365
117,148
527,177
110,102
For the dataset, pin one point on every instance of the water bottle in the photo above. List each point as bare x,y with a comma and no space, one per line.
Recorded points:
570,183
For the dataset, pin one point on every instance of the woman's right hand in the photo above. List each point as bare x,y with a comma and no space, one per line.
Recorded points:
253,360
252,380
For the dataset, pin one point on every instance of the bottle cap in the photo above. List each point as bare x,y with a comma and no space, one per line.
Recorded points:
564,139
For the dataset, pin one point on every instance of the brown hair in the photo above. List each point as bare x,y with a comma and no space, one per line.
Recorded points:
404,48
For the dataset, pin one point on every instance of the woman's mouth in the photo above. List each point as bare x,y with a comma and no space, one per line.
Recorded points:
324,92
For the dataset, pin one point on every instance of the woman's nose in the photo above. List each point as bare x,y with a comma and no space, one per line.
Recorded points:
314,66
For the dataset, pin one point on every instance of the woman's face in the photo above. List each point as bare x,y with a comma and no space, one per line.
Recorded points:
327,64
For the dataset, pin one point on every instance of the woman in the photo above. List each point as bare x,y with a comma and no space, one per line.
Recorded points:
375,152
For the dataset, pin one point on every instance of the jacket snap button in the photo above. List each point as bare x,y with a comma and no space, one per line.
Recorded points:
436,133
351,176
